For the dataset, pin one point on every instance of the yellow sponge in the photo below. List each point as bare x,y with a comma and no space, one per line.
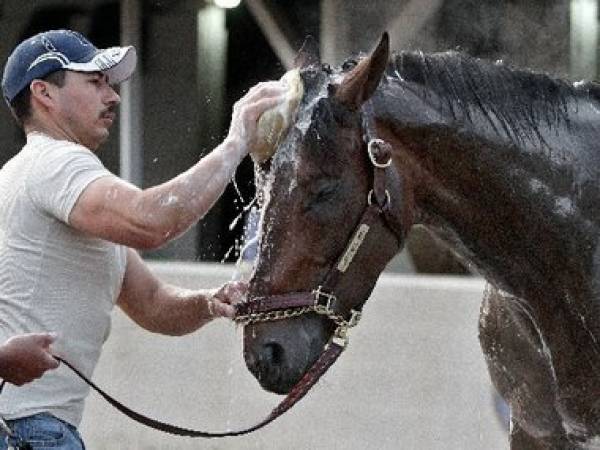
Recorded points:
274,122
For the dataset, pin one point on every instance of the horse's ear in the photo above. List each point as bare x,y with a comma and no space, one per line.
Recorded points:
308,54
360,83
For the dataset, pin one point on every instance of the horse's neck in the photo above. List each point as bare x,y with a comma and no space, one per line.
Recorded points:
493,204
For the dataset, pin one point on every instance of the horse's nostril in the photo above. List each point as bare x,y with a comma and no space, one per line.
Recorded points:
274,354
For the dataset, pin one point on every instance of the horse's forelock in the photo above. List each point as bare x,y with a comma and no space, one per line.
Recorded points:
313,78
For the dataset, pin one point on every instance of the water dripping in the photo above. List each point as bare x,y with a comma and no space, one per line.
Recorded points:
237,189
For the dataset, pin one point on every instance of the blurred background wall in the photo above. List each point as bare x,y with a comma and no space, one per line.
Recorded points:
197,58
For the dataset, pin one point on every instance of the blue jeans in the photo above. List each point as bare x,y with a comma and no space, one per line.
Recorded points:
42,432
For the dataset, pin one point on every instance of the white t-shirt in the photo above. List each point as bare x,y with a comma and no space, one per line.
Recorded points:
53,277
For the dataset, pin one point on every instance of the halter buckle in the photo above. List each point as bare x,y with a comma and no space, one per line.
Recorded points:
379,145
323,301
340,336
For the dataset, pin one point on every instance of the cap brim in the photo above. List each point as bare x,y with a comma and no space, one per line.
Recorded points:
118,63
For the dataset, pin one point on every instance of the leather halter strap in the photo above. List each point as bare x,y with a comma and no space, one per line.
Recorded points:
321,301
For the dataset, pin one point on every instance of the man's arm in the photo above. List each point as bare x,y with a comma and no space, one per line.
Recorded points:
112,209
166,309
25,357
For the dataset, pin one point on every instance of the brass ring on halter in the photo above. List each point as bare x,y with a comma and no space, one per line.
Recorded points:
388,198
379,143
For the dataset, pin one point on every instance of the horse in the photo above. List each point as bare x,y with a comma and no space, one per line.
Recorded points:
500,163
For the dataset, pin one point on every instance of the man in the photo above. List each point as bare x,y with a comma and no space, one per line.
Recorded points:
68,227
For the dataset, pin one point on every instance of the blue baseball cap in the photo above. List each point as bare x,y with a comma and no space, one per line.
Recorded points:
47,52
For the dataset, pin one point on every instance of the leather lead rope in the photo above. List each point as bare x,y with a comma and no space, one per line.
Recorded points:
327,358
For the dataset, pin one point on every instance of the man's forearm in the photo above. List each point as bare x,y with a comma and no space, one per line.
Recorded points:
166,211
177,204
177,311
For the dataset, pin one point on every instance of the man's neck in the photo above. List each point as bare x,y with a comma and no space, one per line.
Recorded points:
52,130
36,128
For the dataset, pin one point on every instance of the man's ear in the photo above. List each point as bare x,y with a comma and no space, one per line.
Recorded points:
42,92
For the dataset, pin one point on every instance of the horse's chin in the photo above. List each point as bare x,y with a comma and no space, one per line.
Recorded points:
277,384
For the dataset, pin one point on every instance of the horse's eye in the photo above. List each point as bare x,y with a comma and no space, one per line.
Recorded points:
322,193
349,64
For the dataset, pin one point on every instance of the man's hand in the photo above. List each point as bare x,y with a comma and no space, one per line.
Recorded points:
25,357
221,302
247,110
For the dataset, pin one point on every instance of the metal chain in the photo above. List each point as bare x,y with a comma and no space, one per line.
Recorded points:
269,316
282,314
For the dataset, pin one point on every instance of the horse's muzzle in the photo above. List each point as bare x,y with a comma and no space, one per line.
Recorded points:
269,364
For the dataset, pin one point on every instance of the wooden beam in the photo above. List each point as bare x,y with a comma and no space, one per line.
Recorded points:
411,19
584,39
131,125
273,32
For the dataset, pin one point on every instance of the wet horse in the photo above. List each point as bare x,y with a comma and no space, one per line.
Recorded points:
502,164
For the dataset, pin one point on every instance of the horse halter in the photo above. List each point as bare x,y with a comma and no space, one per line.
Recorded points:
323,300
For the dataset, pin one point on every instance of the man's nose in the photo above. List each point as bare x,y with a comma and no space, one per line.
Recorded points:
112,97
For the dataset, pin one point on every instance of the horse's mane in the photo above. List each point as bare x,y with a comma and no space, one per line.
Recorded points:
517,101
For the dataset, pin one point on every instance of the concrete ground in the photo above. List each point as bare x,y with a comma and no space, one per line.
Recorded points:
413,377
